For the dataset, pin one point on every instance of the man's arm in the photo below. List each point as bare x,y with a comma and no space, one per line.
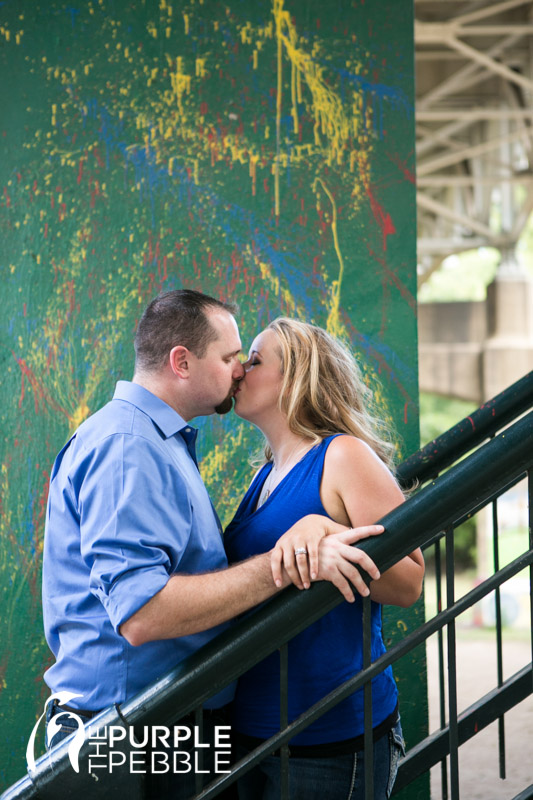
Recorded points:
193,603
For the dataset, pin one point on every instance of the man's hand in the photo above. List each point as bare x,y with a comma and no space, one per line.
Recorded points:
298,552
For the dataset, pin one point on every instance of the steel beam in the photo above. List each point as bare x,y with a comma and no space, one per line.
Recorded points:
441,210
489,11
432,165
460,181
474,114
489,63
458,80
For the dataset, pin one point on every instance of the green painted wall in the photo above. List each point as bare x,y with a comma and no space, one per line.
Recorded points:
257,150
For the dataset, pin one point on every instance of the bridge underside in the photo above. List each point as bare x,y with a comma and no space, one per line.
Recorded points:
474,77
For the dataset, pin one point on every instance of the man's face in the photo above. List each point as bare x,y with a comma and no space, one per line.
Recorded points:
217,374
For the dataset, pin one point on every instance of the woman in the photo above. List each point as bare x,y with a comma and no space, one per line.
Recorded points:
323,455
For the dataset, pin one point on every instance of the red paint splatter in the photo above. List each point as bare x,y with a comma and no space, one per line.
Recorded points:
382,217
96,154
40,394
393,278
402,166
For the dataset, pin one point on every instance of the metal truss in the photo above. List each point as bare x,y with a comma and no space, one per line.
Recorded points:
474,114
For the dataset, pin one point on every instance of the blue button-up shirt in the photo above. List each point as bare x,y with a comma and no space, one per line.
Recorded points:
127,509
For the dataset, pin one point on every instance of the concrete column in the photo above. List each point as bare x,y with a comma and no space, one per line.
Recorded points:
508,350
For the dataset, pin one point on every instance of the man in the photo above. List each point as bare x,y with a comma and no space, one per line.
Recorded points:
134,571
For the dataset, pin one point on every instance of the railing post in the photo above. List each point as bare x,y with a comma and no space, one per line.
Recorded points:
440,641
530,521
284,719
368,730
499,638
452,668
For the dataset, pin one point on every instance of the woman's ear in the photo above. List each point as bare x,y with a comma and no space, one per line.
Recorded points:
179,361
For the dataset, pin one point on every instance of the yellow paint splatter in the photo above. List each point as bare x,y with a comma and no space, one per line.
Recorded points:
334,324
81,413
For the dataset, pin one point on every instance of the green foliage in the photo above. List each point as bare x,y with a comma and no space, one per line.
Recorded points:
437,415
465,276
461,277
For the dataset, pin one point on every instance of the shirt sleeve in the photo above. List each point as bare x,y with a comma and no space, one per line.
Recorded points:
135,522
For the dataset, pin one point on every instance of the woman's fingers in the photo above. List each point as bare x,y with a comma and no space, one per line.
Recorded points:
282,558
312,558
354,535
276,564
301,556
357,556
296,564
339,563
291,566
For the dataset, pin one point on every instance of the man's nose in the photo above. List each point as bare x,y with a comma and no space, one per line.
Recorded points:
238,371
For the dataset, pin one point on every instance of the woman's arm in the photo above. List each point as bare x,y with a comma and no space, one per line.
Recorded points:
357,489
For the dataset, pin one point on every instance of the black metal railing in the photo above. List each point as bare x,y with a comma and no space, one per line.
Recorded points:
485,422
477,480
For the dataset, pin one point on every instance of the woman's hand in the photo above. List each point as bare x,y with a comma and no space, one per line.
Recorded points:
339,561
298,552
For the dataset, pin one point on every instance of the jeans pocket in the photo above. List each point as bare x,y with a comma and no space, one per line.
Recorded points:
397,751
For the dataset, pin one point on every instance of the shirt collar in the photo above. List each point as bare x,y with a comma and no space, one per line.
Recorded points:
167,420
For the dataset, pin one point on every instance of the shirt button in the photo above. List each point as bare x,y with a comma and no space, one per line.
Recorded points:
187,430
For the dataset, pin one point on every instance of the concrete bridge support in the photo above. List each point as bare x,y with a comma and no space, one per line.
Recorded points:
473,350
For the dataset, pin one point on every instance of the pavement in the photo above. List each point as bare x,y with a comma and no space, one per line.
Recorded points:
478,758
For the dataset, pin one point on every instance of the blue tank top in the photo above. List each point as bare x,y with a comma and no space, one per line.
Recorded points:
330,650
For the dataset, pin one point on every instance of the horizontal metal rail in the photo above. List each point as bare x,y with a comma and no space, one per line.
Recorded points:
472,720
472,481
446,449
527,794
414,639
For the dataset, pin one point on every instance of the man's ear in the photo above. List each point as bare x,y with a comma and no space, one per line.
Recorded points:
179,361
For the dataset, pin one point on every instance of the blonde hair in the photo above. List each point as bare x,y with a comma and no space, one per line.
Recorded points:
323,391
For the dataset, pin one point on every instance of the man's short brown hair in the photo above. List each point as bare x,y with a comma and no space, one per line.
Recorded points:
175,318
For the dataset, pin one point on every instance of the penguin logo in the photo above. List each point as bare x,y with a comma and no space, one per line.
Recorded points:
54,726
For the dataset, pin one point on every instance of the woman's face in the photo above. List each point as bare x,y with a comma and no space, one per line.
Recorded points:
257,396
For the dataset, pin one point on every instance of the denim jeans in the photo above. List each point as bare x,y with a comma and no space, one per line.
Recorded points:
68,725
335,777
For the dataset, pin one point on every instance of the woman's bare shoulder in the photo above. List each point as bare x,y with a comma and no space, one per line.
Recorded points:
352,461
351,452
357,476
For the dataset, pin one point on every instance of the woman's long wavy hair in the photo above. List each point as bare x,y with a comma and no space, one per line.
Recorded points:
323,391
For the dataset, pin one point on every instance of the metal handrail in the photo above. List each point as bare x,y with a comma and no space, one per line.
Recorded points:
471,431
203,674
